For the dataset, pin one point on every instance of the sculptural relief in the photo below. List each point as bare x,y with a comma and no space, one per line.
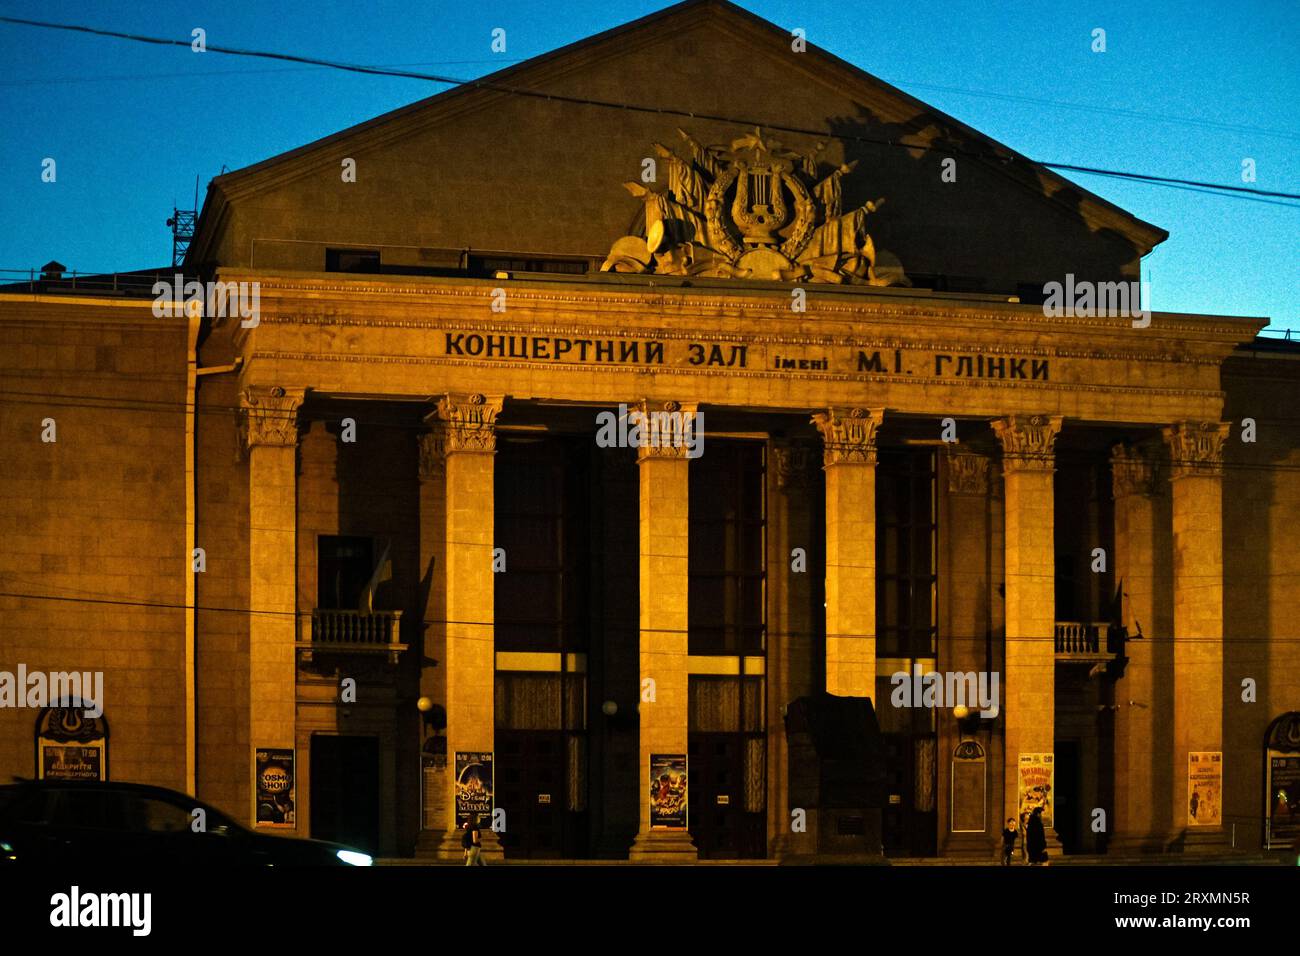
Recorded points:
751,210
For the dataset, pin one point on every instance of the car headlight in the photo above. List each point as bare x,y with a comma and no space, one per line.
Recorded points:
354,858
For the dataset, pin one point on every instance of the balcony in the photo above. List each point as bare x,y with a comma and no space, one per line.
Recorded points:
325,631
1084,642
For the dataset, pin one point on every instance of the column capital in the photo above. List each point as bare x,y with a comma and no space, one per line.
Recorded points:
1196,448
849,434
1132,471
469,422
270,415
791,461
432,449
667,429
1028,442
968,471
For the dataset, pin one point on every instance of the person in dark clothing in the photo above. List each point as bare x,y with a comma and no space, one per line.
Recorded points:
472,842
1009,833
1036,838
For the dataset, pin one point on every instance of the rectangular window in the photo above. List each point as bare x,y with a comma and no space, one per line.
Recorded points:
352,260
906,622
726,550
542,523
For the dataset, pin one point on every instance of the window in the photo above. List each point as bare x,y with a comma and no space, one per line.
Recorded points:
905,553
727,563
542,523
155,816
344,565
491,265
87,809
352,260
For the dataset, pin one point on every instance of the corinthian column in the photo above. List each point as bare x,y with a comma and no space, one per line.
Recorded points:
1142,728
270,433
1029,684
470,443
664,583
1196,480
849,460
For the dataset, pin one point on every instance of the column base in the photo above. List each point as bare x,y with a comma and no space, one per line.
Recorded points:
663,846
445,845
1200,840
971,846
1138,844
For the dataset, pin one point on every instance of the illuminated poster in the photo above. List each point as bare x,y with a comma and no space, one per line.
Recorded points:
474,779
668,806
1205,789
1037,777
1283,798
70,745
275,788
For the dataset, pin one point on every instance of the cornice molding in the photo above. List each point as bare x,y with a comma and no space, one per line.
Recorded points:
859,377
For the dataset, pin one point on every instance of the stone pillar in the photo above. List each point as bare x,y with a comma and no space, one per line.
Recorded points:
849,459
470,443
1141,818
789,648
664,583
1196,481
271,437
964,637
438,817
1029,681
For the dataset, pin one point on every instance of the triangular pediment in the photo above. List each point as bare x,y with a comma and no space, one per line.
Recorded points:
532,161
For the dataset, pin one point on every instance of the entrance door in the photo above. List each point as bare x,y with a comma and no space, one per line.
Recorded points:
345,790
721,827
532,787
910,820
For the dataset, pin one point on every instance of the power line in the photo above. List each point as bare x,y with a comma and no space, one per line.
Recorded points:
629,107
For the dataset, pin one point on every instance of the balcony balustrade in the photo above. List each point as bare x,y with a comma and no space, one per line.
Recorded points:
1088,641
328,631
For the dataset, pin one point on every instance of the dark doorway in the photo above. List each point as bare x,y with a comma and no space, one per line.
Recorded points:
345,790
721,825
910,820
1065,811
345,564
533,787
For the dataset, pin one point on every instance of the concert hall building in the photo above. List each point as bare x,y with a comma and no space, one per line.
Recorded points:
376,540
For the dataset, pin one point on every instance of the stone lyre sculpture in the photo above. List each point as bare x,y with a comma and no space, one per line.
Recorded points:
751,210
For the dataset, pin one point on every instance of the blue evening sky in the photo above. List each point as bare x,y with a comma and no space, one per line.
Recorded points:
1185,89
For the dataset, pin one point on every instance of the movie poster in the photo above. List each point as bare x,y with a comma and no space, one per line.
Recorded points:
275,787
1205,789
1283,798
1037,777
668,806
474,781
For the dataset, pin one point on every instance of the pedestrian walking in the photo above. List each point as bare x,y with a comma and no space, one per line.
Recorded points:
472,841
1036,838
1009,834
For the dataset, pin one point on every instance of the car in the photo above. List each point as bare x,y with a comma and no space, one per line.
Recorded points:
65,822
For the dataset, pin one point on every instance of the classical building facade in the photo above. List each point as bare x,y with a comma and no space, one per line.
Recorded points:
393,546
